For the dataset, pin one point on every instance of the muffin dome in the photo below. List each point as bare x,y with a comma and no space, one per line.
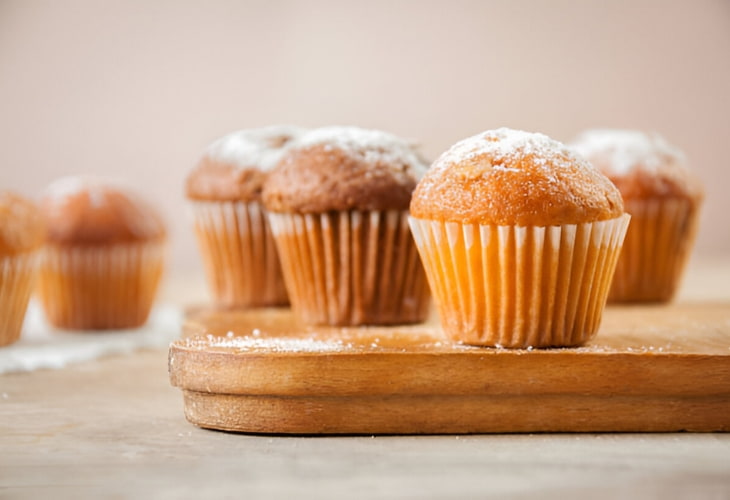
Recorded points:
510,177
89,211
22,228
642,165
344,168
234,167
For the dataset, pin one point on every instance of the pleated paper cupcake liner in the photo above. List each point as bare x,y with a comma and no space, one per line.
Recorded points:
100,288
351,268
520,287
17,278
656,250
239,254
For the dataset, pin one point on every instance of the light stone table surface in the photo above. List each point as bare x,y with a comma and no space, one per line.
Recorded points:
114,428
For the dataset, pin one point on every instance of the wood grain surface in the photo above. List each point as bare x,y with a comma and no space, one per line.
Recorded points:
651,368
115,428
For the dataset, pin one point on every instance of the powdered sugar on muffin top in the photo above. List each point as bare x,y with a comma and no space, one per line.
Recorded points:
504,147
260,148
509,177
371,146
619,152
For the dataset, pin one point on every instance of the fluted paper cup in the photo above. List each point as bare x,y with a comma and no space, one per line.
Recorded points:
17,278
351,268
520,287
96,288
656,250
239,254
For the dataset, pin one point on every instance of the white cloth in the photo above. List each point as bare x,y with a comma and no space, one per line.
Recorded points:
42,346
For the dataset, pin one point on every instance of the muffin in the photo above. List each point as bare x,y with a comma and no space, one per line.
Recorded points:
235,241
338,207
21,236
663,197
519,238
104,256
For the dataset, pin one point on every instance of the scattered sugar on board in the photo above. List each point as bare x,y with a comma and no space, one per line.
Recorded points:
273,344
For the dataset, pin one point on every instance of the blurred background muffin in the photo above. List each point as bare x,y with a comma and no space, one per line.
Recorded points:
104,255
22,232
239,254
663,197
519,238
338,207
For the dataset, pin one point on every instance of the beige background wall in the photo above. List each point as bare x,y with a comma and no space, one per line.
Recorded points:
137,89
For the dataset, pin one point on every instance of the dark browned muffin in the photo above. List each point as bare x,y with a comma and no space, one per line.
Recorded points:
338,206
235,241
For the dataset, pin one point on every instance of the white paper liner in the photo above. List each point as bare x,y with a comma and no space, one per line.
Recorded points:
656,250
17,278
351,268
509,286
239,254
100,287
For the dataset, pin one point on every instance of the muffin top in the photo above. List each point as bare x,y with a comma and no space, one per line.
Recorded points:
90,211
344,168
510,177
642,165
235,166
22,228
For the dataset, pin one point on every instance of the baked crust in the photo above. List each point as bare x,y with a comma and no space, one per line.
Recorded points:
642,165
509,177
87,211
22,228
344,168
235,166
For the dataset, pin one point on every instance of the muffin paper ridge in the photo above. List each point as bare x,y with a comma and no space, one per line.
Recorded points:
519,286
656,250
351,268
100,287
18,275
239,254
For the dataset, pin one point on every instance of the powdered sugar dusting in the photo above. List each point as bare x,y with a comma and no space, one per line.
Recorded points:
104,196
260,148
371,146
503,147
621,151
509,177
68,187
255,342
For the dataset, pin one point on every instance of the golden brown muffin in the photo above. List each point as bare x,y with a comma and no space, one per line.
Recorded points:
338,206
511,178
22,231
663,197
519,238
235,241
104,256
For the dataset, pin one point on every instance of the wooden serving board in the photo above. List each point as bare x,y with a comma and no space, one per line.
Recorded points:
650,369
